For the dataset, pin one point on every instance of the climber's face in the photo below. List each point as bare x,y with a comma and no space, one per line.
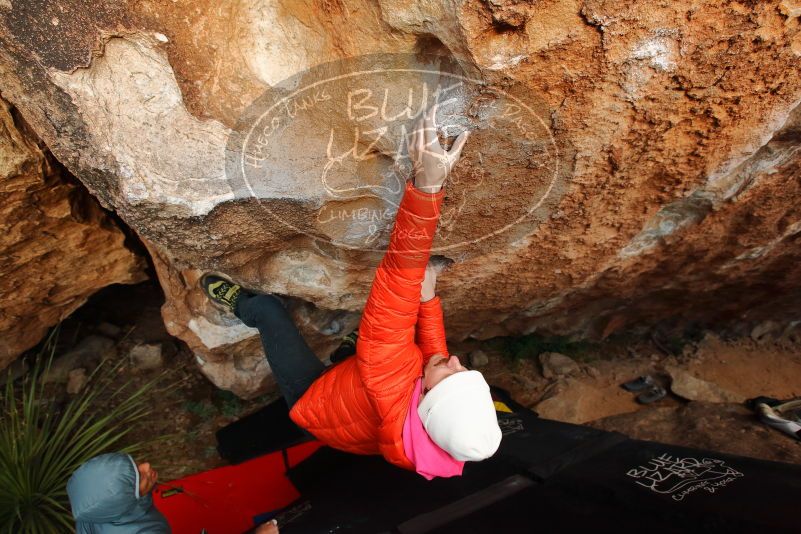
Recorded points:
438,368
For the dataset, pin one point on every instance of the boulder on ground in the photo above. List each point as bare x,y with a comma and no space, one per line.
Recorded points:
556,365
146,356
109,330
76,381
689,387
765,331
577,401
478,358
87,354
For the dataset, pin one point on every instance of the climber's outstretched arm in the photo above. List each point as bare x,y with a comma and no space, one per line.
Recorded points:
430,330
387,328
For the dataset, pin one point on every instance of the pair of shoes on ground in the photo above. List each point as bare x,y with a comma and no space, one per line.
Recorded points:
649,390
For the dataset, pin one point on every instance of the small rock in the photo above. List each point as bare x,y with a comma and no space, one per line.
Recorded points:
109,330
760,332
146,357
571,401
792,333
76,380
554,389
710,337
17,368
689,351
691,388
592,372
555,365
87,354
525,383
478,358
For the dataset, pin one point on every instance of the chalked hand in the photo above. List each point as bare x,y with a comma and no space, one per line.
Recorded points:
431,162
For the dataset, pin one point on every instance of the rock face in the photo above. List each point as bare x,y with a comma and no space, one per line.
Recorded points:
627,166
58,246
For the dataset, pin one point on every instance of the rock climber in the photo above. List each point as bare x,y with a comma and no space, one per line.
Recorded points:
402,395
110,494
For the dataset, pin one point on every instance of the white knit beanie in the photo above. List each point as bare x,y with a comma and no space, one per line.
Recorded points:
459,416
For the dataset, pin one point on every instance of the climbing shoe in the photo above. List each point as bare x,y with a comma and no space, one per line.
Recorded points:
639,384
221,290
346,348
652,394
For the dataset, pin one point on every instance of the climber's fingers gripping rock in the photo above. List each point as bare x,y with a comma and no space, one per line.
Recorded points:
431,163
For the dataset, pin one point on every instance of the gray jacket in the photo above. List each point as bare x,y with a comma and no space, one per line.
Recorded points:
104,496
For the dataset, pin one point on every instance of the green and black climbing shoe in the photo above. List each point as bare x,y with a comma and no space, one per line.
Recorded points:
346,348
221,290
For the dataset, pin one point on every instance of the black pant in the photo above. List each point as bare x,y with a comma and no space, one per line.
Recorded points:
293,363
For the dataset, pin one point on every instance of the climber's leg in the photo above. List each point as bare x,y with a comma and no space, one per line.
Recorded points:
293,363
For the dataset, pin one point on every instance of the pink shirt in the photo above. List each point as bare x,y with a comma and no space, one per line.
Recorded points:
428,458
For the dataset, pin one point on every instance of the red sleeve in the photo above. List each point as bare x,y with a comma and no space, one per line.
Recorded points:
431,329
387,328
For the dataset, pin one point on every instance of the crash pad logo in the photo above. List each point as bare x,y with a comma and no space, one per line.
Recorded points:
510,425
680,477
325,152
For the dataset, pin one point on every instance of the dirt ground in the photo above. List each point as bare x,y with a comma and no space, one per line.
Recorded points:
743,367
188,409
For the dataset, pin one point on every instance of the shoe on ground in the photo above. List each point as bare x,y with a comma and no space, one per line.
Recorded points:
639,384
652,394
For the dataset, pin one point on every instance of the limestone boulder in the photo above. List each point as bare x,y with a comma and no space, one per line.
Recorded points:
146,357
88,354
58,246
692,388
556,365
627,166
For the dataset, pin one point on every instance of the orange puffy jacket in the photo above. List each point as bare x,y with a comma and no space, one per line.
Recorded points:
360,405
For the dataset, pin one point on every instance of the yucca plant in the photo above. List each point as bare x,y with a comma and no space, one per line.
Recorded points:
42,441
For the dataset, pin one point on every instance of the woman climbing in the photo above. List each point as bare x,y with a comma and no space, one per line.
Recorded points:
402,395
